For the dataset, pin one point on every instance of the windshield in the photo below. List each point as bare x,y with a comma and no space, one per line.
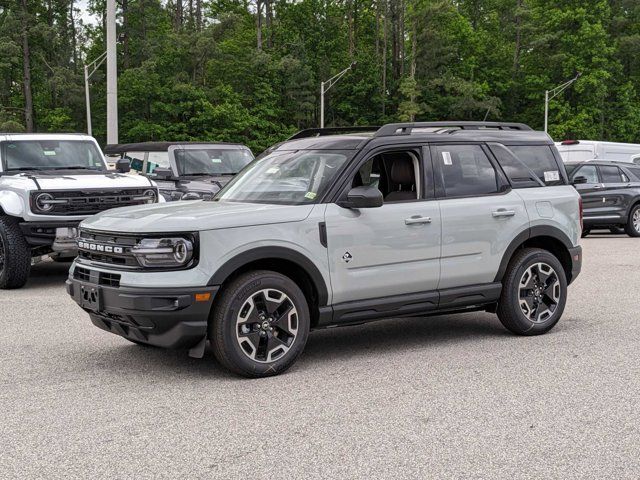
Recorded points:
51,155
211,161
286,177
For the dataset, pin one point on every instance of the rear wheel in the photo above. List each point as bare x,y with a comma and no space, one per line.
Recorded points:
15,255
633,224
534,293
585,231
260,324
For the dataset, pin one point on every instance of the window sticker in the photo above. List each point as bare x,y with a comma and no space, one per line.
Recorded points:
446,157
310,195
552,176
272,170
216,160
50,153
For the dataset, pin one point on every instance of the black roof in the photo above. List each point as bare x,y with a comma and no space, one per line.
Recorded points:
353,138
115,149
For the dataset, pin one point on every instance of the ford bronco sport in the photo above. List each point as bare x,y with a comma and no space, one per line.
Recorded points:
339,228
48,184
185,170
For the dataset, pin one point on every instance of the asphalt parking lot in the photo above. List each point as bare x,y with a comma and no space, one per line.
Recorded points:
445,397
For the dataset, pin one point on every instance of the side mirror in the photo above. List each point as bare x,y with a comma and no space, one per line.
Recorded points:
163,173
123,166
580,180
363,197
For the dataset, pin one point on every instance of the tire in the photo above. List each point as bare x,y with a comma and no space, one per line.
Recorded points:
15,255
260,324
633,224
585,232
533,266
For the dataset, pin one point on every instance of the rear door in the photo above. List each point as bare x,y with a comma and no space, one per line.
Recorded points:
618,192
481,214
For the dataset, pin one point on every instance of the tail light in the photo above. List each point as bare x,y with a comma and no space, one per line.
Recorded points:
581,213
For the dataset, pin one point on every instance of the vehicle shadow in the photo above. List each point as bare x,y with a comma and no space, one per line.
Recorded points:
48,274
374,339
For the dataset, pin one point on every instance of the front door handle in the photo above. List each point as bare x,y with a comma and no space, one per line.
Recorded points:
503,212
598,187
417,220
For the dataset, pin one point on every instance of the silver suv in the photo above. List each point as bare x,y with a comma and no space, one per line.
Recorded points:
336,228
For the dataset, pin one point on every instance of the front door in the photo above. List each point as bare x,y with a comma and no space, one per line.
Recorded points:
390,250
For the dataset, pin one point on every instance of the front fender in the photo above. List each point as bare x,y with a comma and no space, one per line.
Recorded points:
11,203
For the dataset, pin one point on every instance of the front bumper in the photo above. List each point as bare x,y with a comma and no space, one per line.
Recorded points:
48,234
168,317
576,262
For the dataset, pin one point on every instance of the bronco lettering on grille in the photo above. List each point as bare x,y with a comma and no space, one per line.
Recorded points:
96,247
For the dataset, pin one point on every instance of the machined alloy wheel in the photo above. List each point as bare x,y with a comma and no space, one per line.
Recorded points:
534,292
259,324
267,325
539,292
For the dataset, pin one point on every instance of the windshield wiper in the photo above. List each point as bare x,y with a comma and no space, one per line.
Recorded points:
23,169
73,167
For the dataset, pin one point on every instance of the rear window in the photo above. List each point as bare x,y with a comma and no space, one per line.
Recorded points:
540,159
520,175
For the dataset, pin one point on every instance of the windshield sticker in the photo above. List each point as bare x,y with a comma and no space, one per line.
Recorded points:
310,195
50,153
216,160
552,176
273,170
446,157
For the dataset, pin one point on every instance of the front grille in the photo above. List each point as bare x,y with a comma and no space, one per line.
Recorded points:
89,202
108,249
99,278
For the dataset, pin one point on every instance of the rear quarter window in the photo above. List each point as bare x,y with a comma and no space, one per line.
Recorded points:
541,160
635,172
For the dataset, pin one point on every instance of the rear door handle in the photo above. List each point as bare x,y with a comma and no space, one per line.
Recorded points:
503,212
417,220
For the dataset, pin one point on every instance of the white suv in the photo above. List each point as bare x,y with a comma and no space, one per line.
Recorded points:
338,228
48,184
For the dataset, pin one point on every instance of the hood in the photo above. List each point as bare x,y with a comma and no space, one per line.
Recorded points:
194,216
75,181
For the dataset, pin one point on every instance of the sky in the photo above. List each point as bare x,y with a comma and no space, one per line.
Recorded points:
86,18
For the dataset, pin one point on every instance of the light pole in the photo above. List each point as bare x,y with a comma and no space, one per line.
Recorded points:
87,75
553,93
112,75
325,86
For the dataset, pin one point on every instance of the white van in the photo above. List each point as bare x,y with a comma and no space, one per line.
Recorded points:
584,150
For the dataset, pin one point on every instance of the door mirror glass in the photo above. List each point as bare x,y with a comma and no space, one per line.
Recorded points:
123,165
580,180
363,197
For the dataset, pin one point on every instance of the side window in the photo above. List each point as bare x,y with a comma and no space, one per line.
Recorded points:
518,173
466,170
541,160
136,159
157,159
588,171
610,174
396,174
635,171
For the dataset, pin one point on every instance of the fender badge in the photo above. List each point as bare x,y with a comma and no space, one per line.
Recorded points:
346,258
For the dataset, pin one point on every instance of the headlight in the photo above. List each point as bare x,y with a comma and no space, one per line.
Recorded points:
44,202
163,252
150,196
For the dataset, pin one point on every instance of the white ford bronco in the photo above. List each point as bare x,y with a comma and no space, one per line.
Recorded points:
338,228
48,184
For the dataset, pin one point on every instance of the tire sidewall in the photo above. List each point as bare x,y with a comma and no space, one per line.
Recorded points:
526,325
631,229
224,323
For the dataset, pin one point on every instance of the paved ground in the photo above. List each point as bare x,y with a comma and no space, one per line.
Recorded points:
448,397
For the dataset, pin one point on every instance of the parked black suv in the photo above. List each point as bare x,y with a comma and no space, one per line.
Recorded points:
185,170
610,194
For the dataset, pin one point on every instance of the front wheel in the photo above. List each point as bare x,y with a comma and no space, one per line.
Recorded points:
534,293
633,224
15,255
260,324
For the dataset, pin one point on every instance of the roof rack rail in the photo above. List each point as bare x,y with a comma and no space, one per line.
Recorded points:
321,132
406,128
